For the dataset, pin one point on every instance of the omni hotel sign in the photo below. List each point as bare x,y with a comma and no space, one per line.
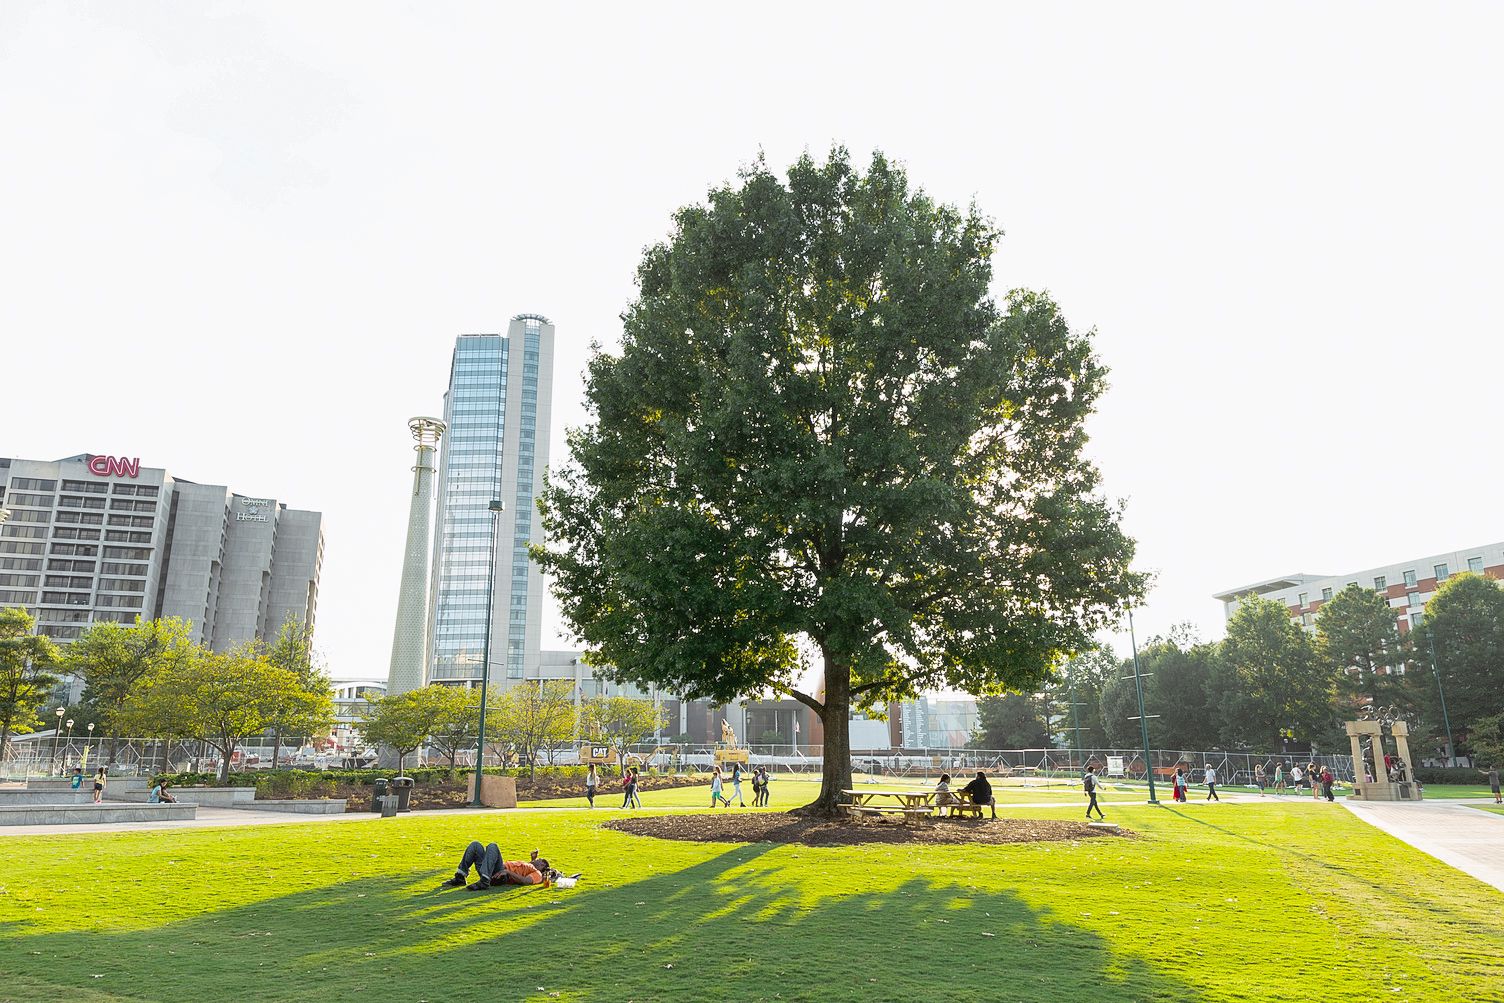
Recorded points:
253,510
115,466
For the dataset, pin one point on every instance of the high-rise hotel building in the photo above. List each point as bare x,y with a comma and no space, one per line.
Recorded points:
101,538
497,410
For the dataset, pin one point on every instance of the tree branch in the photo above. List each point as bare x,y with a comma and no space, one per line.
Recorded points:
808,701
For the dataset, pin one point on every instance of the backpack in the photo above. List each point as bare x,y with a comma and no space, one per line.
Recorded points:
1090,783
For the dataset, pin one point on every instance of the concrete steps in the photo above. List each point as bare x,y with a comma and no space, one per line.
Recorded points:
35,797
93,814
329,806
209,797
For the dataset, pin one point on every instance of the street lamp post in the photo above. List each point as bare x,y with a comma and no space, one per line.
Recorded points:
57,733
67,745
89,745
496,507
1143,721
1445,717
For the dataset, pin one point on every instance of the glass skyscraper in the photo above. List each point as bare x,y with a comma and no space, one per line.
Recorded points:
497,410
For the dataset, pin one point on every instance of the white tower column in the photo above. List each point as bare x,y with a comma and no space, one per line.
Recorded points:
410,636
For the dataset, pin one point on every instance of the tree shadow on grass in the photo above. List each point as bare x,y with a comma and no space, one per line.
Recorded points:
733,927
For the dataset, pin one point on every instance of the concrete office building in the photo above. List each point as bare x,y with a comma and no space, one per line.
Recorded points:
1407,585
94,538
497,410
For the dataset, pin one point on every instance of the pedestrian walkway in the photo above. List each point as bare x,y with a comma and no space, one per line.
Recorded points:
1453,832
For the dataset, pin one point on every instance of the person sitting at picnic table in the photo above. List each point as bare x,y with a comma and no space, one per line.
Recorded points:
943,796
980,792
490,869
159,795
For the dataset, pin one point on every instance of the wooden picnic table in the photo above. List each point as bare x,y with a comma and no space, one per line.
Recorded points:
907,805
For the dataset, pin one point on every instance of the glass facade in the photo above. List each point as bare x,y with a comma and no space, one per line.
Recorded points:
496,447
469,477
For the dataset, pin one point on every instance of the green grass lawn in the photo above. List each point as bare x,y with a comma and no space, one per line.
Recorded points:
1496,809
1263,901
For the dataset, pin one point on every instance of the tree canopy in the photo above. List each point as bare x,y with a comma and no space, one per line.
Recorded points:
1275,679
824,437
26,673
1357,637
1464,621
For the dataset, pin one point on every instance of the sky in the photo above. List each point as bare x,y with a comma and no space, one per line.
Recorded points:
238,240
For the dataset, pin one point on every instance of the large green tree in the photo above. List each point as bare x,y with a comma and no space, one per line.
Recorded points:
310,711
26,676
1357,637
1275,678
1183,688
219,697
1078,696
113,658
1010,721
824,441
403,721
535,718
1464,625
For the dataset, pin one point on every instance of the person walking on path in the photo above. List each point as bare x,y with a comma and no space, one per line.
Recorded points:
1313,774
716,798
1179,782
1279,777
1296,778
1211,783
99,781
1493,782
636,785
1326,783
626,788
736,783
592,781
1258,777
1089,782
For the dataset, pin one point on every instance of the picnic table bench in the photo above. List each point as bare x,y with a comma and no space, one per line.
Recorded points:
909,805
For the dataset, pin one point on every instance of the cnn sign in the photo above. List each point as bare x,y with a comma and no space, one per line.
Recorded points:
115,466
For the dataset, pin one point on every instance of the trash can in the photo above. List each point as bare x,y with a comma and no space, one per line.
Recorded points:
377,793
403,788
388,804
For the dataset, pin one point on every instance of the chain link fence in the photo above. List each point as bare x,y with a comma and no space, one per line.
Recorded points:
44,756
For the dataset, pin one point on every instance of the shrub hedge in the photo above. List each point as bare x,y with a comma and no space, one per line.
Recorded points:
291,783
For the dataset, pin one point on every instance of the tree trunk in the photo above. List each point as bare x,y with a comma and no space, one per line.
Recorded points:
225,752
835,773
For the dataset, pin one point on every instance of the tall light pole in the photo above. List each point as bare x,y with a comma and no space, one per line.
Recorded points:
1445,717
496,507
1143,721
57,734
63,766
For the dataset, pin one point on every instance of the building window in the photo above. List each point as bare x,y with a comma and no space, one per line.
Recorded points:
1415,619
1410,579
1441,572
1413,598
32,484
1326,594
1300,600
1475,565
1381,583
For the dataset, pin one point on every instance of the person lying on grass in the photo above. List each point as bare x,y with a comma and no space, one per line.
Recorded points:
490,869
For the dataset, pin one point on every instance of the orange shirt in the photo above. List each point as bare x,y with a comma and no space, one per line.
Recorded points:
523,872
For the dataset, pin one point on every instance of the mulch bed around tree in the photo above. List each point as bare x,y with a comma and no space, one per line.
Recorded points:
809,831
